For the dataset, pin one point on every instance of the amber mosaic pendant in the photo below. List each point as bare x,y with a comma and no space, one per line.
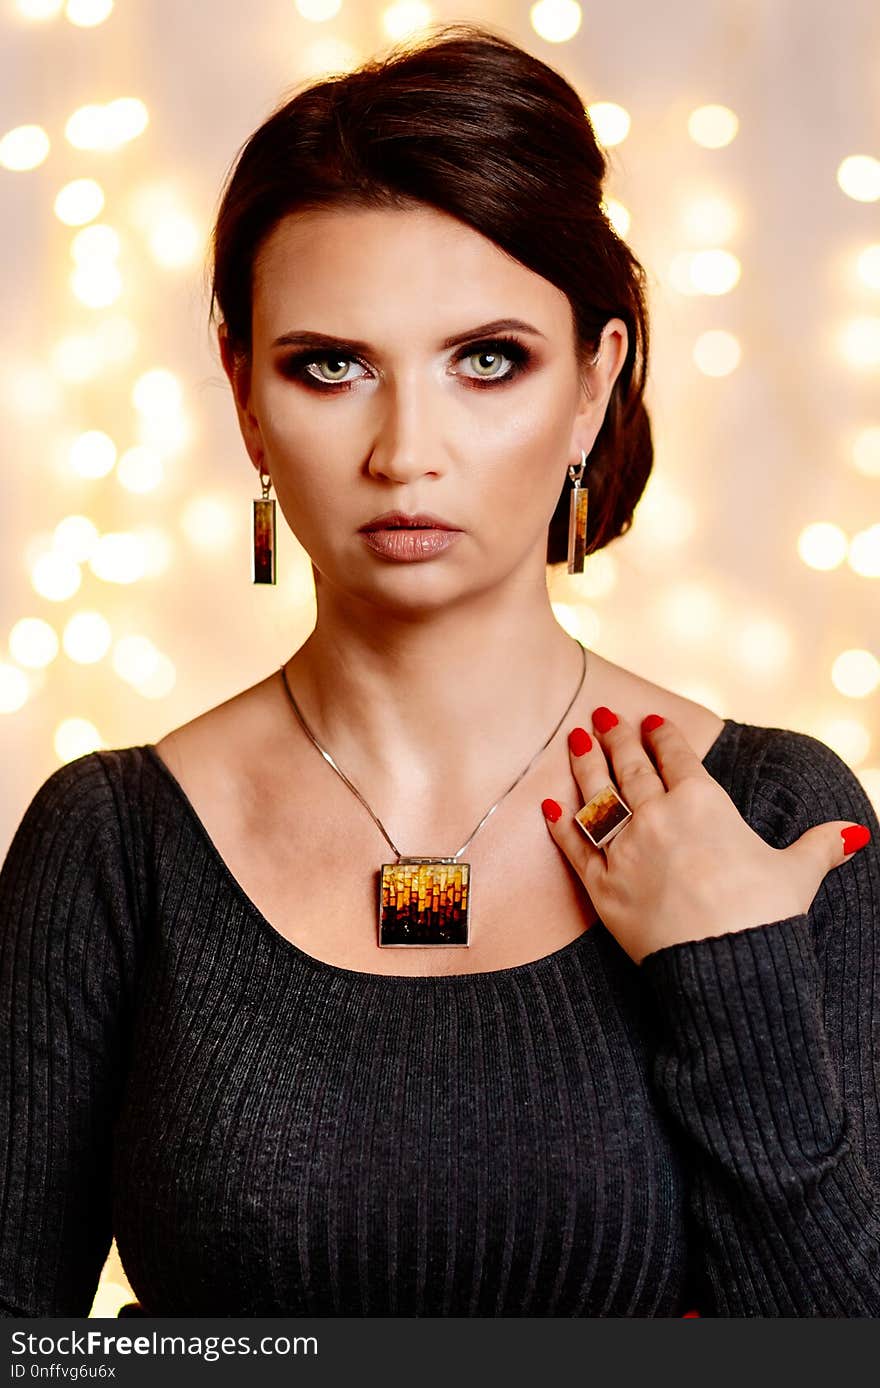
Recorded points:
424,901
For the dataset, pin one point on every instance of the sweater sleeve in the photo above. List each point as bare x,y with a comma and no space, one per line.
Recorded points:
67,908
768,1060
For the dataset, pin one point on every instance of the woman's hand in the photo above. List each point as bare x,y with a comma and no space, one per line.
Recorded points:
686,865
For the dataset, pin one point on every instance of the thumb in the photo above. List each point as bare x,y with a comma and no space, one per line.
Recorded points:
829,845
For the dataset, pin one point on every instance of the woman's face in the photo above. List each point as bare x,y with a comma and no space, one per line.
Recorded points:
357,401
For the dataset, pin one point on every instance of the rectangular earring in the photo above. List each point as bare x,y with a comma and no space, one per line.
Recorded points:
577,519
263,556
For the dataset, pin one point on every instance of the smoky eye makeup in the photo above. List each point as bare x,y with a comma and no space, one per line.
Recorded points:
295,365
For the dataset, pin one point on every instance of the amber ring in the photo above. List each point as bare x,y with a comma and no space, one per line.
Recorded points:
603,816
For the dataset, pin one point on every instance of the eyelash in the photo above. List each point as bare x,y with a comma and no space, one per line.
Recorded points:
510,347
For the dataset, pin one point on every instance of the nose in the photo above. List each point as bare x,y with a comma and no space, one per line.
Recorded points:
406,447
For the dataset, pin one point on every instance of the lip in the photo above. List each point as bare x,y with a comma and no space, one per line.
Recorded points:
408,545
420,520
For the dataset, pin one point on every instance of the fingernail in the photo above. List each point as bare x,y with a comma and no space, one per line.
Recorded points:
652,721
552,811
855,837
604,719
579,741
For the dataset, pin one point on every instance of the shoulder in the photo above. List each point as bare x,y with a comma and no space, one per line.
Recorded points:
800,781
82,812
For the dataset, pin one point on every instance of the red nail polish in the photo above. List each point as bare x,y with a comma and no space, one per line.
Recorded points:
855,837
579,741
551,810
652,721
604,719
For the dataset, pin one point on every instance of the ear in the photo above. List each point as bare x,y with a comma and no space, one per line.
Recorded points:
237,366
598,382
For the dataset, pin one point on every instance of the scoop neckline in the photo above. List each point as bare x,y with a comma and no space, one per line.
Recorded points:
364,977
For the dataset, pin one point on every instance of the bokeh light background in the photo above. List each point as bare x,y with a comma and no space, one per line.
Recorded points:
744,143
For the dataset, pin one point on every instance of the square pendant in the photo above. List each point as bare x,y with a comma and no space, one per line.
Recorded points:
603,816
424,901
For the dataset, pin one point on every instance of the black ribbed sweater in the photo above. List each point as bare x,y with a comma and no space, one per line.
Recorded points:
268,1134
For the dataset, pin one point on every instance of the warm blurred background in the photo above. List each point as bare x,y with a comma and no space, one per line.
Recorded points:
743,140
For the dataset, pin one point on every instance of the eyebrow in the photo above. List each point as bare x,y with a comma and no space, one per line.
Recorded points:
305,338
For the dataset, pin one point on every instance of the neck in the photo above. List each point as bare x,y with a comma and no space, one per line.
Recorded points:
464,695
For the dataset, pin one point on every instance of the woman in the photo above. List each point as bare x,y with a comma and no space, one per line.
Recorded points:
619,1065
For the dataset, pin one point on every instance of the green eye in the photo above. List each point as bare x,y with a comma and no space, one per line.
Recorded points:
343,362
493,357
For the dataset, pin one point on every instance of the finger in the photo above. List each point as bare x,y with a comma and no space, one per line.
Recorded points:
675,757
587,860
634,772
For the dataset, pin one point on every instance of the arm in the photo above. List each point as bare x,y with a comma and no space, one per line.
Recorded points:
66,967
768,1060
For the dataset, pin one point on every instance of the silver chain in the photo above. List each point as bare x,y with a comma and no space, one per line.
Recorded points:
327,757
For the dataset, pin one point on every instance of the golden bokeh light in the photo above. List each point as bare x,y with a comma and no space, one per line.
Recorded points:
157,548
404,18
848,737
866,451
864,552
14,688
714,271
87,637
55,577
175,240
96,242
318,10
860,341
75,536
327,55
33,642
822,546
39,9
618,215
555,21
579,620
713,126
87,13
156,391
79,201
140,470
611,123
118,557
92,454
96,283
717,352
106,127
76,737
24,147
868,266
858,175
135,658
856,673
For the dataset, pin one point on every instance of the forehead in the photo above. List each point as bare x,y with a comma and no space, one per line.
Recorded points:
342,268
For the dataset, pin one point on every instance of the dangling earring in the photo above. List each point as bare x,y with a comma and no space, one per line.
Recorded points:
577,504
577,517
263,558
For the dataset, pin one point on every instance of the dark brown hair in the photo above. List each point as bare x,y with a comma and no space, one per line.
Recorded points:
464,121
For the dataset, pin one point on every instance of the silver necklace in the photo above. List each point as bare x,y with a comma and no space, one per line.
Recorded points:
426,901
